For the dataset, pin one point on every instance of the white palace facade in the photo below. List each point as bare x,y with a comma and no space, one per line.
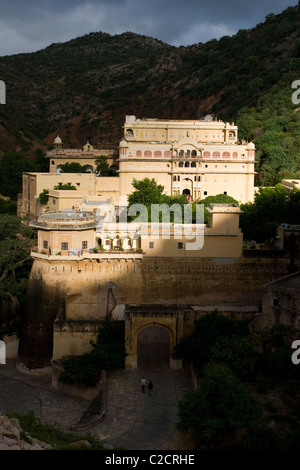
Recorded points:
197,158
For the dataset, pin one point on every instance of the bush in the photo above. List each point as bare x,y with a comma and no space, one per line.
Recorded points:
52,434
108,353
220,407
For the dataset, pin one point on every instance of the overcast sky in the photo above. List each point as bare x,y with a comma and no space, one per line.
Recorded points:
30,25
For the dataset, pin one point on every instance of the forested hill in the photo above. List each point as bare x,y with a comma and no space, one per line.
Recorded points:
83,88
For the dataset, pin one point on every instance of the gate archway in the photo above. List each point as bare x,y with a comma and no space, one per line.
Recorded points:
153,347
154,330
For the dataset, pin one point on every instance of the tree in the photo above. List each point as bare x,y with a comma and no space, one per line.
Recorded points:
43,197
208,332
148,192
8,207
16,241
74,167
222,406
12,166
259,220
103,168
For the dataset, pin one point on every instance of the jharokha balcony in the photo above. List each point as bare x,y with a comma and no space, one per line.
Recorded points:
93,253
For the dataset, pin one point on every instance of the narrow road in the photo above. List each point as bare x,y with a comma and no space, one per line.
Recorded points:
138,421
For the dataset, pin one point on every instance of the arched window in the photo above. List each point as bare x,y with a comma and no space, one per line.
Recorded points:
187,164
226,155
235,155
138,153
216,155
174,178
188,153
129,133
181,153
193,164
148,153
157,154
194,153
181,164
206,154
167,154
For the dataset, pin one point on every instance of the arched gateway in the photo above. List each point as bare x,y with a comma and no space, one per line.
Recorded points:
152,330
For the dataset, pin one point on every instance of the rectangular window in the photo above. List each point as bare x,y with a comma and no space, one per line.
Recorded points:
84,245
151,244
225,192
275,302
107,242
180,245
45,244
205,193
64,246
53,201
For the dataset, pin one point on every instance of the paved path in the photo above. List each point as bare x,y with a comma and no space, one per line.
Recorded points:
138,421
133,420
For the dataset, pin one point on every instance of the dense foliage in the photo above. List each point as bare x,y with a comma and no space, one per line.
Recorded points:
103,168
271,207
108,353
12,166
16,241
219,408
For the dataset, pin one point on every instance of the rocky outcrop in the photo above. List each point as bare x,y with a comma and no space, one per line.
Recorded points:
12,437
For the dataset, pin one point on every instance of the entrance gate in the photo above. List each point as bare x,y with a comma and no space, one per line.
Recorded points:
153,328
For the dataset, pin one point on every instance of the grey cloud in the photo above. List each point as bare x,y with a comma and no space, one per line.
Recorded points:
34,24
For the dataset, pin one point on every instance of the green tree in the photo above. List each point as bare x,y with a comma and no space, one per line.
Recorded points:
16,241
8,207
103,168
44,197
12,166
208,331
260,219
222,406
73,167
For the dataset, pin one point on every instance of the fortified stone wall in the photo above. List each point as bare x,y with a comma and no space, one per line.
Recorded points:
82,289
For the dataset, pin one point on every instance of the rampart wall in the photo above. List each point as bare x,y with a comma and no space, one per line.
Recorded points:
86,290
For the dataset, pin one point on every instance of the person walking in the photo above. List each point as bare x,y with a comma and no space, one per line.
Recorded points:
150,387
143,383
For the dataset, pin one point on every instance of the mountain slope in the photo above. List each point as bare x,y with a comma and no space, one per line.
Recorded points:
83,88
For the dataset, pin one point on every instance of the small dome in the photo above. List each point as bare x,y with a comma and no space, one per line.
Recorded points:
57,140
88,146
251,145
123,143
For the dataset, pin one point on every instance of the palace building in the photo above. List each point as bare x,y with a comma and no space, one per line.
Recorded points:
198,158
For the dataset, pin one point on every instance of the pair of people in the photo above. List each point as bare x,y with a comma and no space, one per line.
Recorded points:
150,385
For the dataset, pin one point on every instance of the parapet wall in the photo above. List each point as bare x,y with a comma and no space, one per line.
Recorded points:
86,290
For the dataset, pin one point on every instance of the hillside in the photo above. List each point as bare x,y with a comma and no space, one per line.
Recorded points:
83,88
